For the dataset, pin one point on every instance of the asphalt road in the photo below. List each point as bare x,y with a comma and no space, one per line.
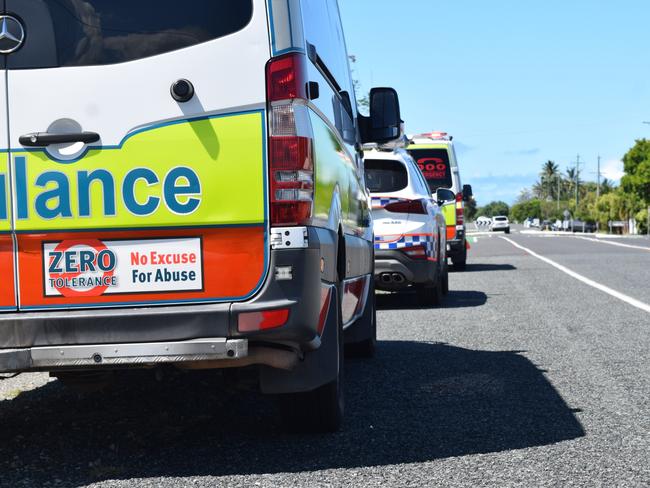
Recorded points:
526,377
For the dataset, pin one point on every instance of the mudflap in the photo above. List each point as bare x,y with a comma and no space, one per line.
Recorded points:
316,369
364,327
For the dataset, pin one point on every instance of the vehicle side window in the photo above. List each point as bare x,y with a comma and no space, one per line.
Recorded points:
100,32
326,48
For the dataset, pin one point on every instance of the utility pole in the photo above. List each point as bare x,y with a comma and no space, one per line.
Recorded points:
577,180
598,187
559,180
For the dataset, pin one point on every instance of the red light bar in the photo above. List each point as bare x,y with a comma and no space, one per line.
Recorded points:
434,135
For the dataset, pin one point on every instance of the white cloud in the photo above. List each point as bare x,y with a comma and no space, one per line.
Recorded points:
612,169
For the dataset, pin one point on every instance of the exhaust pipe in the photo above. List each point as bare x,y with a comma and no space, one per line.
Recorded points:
398,278
386,278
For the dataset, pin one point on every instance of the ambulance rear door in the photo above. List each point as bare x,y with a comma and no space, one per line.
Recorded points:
137,152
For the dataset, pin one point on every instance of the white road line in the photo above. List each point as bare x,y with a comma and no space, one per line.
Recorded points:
620,244
616,294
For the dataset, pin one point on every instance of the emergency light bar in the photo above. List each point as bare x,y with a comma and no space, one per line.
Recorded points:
400,143
436,135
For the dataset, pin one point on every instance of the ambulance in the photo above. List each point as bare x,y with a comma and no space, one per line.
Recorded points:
435,155
183,185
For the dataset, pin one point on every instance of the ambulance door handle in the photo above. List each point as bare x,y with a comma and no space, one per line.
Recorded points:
44,139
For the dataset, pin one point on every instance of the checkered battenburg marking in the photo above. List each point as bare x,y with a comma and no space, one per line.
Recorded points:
407,241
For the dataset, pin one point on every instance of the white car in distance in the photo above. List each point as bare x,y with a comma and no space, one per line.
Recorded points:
500,223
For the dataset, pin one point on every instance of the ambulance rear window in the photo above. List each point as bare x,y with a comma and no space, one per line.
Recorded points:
434,164
99,32
385,176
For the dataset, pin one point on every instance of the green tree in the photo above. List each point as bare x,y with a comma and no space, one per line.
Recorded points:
494,208
471,209
606,186
549,179
636,163
523,210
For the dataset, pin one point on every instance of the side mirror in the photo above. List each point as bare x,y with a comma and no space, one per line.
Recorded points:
467,192
384,123
444,195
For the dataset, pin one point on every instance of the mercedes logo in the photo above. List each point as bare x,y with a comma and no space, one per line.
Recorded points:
12,34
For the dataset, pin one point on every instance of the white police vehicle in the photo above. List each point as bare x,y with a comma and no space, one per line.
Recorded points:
410,230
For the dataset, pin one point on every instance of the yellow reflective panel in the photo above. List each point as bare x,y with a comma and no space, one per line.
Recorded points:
208,171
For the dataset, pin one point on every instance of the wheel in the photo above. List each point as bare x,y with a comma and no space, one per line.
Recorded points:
507,231
430,295
460,260
445,278
320,410
366,323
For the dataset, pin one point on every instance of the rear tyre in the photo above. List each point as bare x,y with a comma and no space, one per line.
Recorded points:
430,295
320,410
460,260
507,231
445,277
367,322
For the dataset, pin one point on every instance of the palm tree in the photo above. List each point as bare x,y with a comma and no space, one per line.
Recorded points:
606,186
549,176
550,169
571,175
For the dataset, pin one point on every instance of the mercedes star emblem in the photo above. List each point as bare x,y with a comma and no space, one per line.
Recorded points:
12,34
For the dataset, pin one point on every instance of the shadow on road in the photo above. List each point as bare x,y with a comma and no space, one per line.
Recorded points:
416,402
409,300
474,267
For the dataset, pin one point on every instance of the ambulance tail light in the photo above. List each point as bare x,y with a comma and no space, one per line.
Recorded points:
291,164
407,206
265,320
460,214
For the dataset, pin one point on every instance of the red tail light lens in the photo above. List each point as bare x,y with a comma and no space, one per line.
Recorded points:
407,206
416,252
286,77
267,319
291,161
292,180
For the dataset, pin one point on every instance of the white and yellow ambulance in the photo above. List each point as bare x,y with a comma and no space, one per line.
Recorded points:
435,155
183,184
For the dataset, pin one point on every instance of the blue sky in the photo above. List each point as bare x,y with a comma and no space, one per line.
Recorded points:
516,82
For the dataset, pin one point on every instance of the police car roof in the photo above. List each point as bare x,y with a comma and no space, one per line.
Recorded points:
393,155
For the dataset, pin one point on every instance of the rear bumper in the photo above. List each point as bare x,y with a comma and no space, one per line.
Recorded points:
121,355
35,340
391,264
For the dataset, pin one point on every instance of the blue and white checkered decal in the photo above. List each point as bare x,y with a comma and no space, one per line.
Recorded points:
407,241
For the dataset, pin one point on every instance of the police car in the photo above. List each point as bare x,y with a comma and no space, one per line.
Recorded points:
410,231
435,155
183,186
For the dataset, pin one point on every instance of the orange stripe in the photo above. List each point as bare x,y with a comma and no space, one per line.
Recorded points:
233,263
7,290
